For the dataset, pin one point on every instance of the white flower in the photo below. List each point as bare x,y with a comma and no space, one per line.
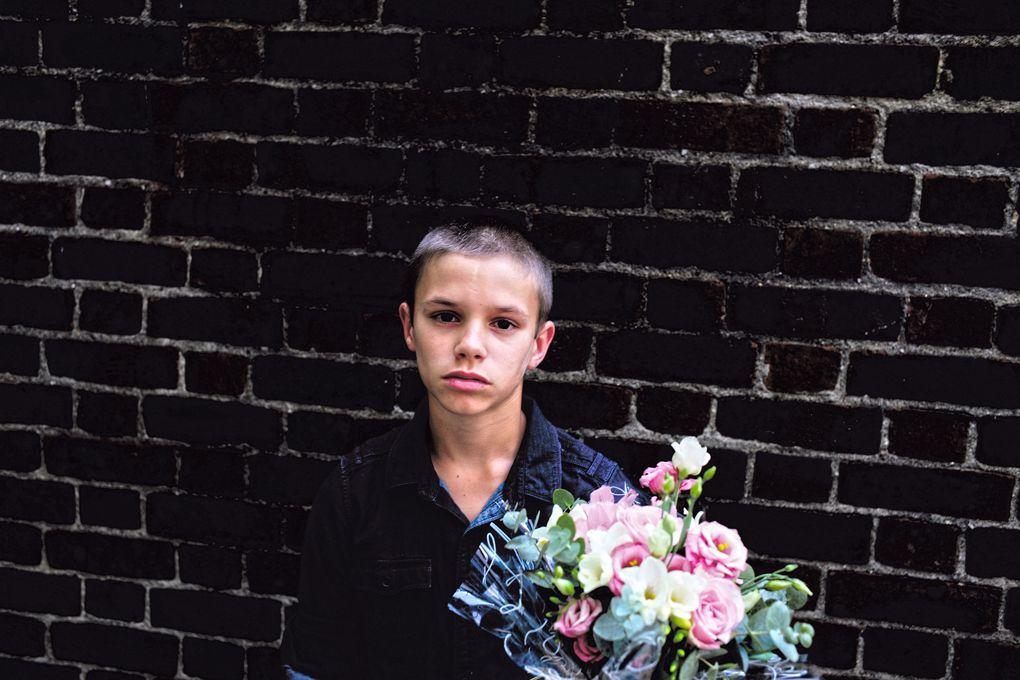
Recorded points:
649,589
689,456
685,594
596,567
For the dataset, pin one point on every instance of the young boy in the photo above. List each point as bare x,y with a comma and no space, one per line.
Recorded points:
393,528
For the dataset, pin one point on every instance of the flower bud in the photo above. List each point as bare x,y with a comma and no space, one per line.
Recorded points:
801,586
751,598
565,586
709,474
696,490
777,585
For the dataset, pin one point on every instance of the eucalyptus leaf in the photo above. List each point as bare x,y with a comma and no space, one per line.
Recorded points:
713,672
690,667
795,599
747,574
777,616
608,627
567,522
744,661
788,649
713,653
563,498
513,519
526,547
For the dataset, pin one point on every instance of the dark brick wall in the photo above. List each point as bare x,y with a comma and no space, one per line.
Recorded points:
786,226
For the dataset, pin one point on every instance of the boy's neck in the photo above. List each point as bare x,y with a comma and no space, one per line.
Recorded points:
481,447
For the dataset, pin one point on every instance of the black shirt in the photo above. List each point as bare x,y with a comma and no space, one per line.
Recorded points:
386,546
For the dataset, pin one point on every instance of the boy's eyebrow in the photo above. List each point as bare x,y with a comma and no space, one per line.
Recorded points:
513,309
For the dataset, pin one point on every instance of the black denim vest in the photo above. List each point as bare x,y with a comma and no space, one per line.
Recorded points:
385,547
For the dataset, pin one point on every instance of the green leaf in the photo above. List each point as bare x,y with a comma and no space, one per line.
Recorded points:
567,522
512,519
564,499
713,672
608,627
795,599
787,648
543,581
777,616
558,539
526,547
690,667
744,661
747,574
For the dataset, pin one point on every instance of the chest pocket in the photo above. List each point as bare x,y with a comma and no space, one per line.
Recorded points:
394,597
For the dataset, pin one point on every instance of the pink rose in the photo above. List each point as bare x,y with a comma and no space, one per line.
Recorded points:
577,617
654,478
623,556
676,562
600,511
586,650
716,549
719,611
639,520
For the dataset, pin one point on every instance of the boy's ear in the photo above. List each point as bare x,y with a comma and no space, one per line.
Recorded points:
542,342
405,321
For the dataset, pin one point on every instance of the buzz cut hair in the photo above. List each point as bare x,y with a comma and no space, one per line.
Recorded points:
481,240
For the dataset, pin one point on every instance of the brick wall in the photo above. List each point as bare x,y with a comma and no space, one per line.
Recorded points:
787,226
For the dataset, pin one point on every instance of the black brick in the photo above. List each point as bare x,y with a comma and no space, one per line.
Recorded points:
978,495
322,330
685,305
216,521
847,194
19,44
113,208
119,646
35,9
540,61
23,256
822,253
259,220
490,14
684,358
110,555
996,441
339,168
288,480
329,224
993,552
465,116
843,133
714,67
36,204
600,297
150,465
117,104
564,123
443,173
810,425
375,57
213,472
22,451
977,659
700,126
19,355
956,322
44,593
220,165
102,260
206,107
22,635
115,600
37,499
256,11
113,364
583,15
20,543
220,269
215,613
273,572
105,311
398,228
228,52
215,373
116,508
37,98
866,16
324,432
780,532
983,72
319,381
113,47
213,659
801,368
110,8
911,544
848,70
955,380
456,61
694,187
36,306
705,245
964,200
953,138
594,182
750,15
884,651
959,17
233,321
791,478
333,113
665,410
348,281
218,568
78,152
928,258
913,601
211,422
19,150
812,314
344,11
928,435
108,415
28,404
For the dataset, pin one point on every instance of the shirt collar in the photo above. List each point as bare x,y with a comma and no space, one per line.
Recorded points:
537,470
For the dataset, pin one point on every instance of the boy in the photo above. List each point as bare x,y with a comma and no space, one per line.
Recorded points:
393,528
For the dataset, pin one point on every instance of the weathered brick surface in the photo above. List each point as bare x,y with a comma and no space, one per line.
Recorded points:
787,227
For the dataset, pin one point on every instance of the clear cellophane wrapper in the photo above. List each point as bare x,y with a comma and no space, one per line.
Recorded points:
500,599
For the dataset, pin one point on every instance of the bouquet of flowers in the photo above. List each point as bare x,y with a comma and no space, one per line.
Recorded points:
609,588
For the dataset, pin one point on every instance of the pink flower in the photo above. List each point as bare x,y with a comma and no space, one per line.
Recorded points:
687,484
577,617
719,611
639,520
586,651
716,549
626,555
676,562
654,478
600,511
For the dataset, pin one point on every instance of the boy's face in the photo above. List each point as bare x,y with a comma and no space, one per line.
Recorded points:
459,326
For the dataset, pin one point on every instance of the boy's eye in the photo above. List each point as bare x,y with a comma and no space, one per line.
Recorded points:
437,315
